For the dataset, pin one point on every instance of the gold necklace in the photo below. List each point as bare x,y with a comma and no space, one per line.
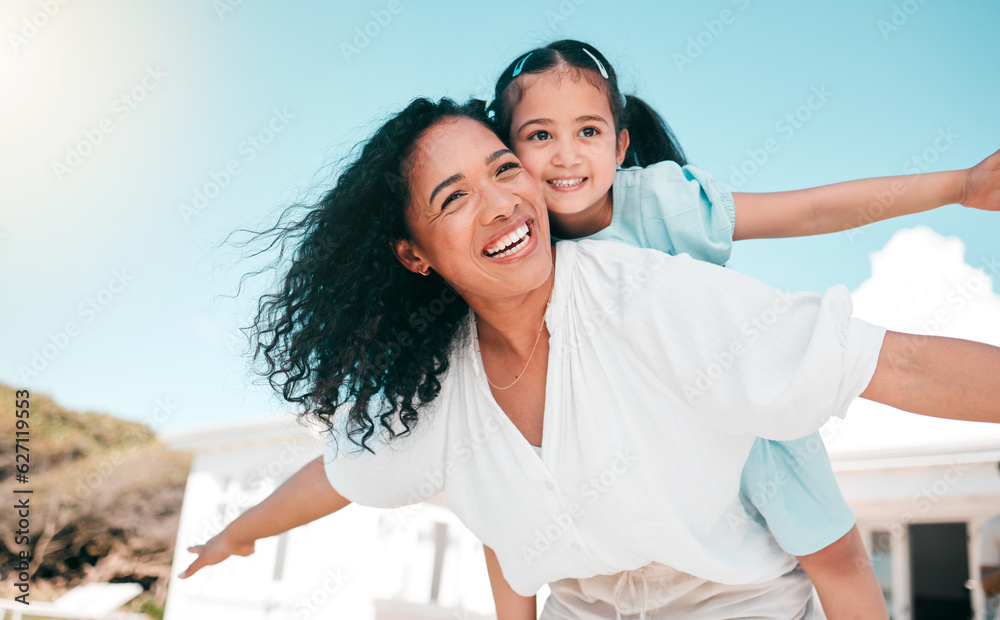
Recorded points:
537,338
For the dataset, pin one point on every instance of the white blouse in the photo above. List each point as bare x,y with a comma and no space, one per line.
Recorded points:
662,370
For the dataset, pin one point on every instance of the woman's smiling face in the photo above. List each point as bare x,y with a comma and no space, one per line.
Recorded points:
476,216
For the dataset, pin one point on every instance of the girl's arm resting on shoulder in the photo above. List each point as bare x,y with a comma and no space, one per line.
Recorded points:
936,376
510,604
832,208
303,498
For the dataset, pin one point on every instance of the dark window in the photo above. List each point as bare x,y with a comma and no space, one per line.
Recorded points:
939,569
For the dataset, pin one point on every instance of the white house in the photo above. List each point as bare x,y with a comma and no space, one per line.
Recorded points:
360,563
920,488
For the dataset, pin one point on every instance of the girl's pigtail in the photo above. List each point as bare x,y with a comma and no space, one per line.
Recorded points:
650,138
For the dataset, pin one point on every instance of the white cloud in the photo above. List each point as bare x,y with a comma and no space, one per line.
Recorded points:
921,283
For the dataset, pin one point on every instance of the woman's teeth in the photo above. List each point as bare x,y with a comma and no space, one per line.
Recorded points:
505,246
567,182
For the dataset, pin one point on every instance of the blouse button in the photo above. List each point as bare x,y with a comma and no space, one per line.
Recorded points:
574,546
549,485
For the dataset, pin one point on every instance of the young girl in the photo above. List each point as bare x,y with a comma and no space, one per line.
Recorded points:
560,109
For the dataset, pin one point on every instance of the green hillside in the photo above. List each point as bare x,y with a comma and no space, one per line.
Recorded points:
105,502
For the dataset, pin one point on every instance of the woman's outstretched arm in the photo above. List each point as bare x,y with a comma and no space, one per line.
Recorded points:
510,604
936,376
303,498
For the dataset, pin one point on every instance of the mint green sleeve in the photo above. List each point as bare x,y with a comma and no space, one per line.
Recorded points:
674,209
792,485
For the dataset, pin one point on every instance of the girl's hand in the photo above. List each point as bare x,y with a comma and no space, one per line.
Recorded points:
215,550
982,185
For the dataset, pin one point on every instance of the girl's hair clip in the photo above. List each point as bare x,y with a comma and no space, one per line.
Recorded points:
520,65
604,72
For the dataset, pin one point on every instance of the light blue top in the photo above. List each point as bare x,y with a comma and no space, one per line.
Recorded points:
681,210
672,209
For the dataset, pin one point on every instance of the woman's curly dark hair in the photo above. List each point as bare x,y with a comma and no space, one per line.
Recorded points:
351,327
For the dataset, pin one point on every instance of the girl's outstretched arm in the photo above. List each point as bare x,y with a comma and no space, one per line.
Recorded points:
936,376
831,208
510,604
303,498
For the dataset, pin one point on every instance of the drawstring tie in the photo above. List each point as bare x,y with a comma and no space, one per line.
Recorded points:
629,577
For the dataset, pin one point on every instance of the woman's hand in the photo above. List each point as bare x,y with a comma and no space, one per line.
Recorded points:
981,189
215,550
301,499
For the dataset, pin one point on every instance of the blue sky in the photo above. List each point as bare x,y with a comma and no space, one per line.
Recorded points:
118,288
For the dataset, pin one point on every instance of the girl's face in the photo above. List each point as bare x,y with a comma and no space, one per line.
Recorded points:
563,132
476,217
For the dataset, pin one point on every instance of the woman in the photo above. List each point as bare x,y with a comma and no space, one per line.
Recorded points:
662,372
